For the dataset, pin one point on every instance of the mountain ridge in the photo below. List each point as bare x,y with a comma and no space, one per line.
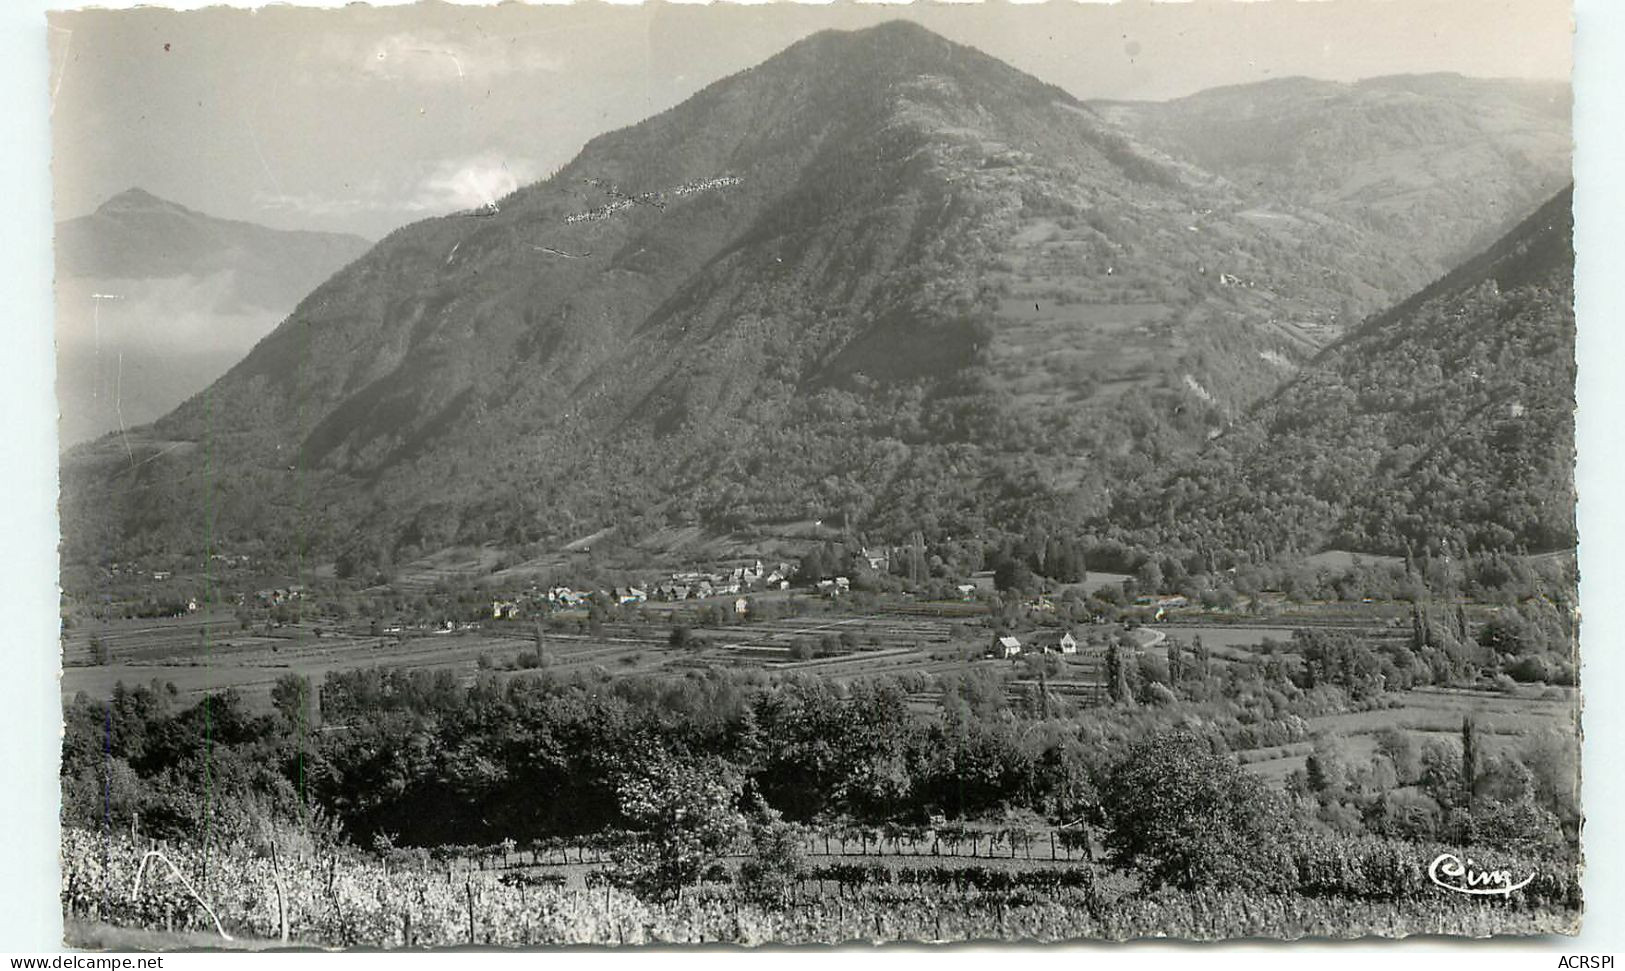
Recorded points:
105,242
1363,150
613,345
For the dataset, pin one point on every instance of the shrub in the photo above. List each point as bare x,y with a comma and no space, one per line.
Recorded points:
1187,818
778,859
684,818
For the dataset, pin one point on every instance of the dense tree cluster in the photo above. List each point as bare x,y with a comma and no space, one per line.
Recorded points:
1520,797
1443,426
417,757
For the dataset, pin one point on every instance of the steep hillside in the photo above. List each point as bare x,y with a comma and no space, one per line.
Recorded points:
1440,164
1446,424
178,298
881,277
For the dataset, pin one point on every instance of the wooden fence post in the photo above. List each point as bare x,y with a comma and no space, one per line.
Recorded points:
277,880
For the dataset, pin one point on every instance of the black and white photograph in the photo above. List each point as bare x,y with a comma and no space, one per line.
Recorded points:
666,475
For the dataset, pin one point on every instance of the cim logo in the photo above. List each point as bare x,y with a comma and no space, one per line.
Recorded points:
1451,872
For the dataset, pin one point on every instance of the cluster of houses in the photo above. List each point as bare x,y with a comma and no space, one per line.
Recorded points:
878,559
280,595
562,596
698,585
1041,642
216,560
694,585
834,587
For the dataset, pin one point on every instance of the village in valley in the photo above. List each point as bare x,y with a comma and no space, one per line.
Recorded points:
1340,664
473,614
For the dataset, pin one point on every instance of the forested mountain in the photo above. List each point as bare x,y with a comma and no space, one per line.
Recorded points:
1443,425
1445,162
179,298
880,277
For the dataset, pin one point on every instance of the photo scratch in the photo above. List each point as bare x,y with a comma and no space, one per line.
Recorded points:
62,71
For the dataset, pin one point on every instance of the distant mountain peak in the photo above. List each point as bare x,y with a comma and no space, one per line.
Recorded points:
901,50
892,32
137,199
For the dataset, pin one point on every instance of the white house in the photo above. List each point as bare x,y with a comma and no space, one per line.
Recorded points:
1065,644
835,587
1005,646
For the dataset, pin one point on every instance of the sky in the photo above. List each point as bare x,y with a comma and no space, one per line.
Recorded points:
362,119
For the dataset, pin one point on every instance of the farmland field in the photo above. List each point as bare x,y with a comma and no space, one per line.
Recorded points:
199,654
210,651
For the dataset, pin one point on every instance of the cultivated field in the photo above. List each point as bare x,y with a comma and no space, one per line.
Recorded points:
208,652
211,650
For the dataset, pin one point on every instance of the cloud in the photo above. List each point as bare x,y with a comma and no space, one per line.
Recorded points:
202,313
146,346
445,186
312,204
434,57
469,182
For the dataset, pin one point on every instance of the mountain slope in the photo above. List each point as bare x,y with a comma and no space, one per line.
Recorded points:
180,297
1447,161
880,276
1446,424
